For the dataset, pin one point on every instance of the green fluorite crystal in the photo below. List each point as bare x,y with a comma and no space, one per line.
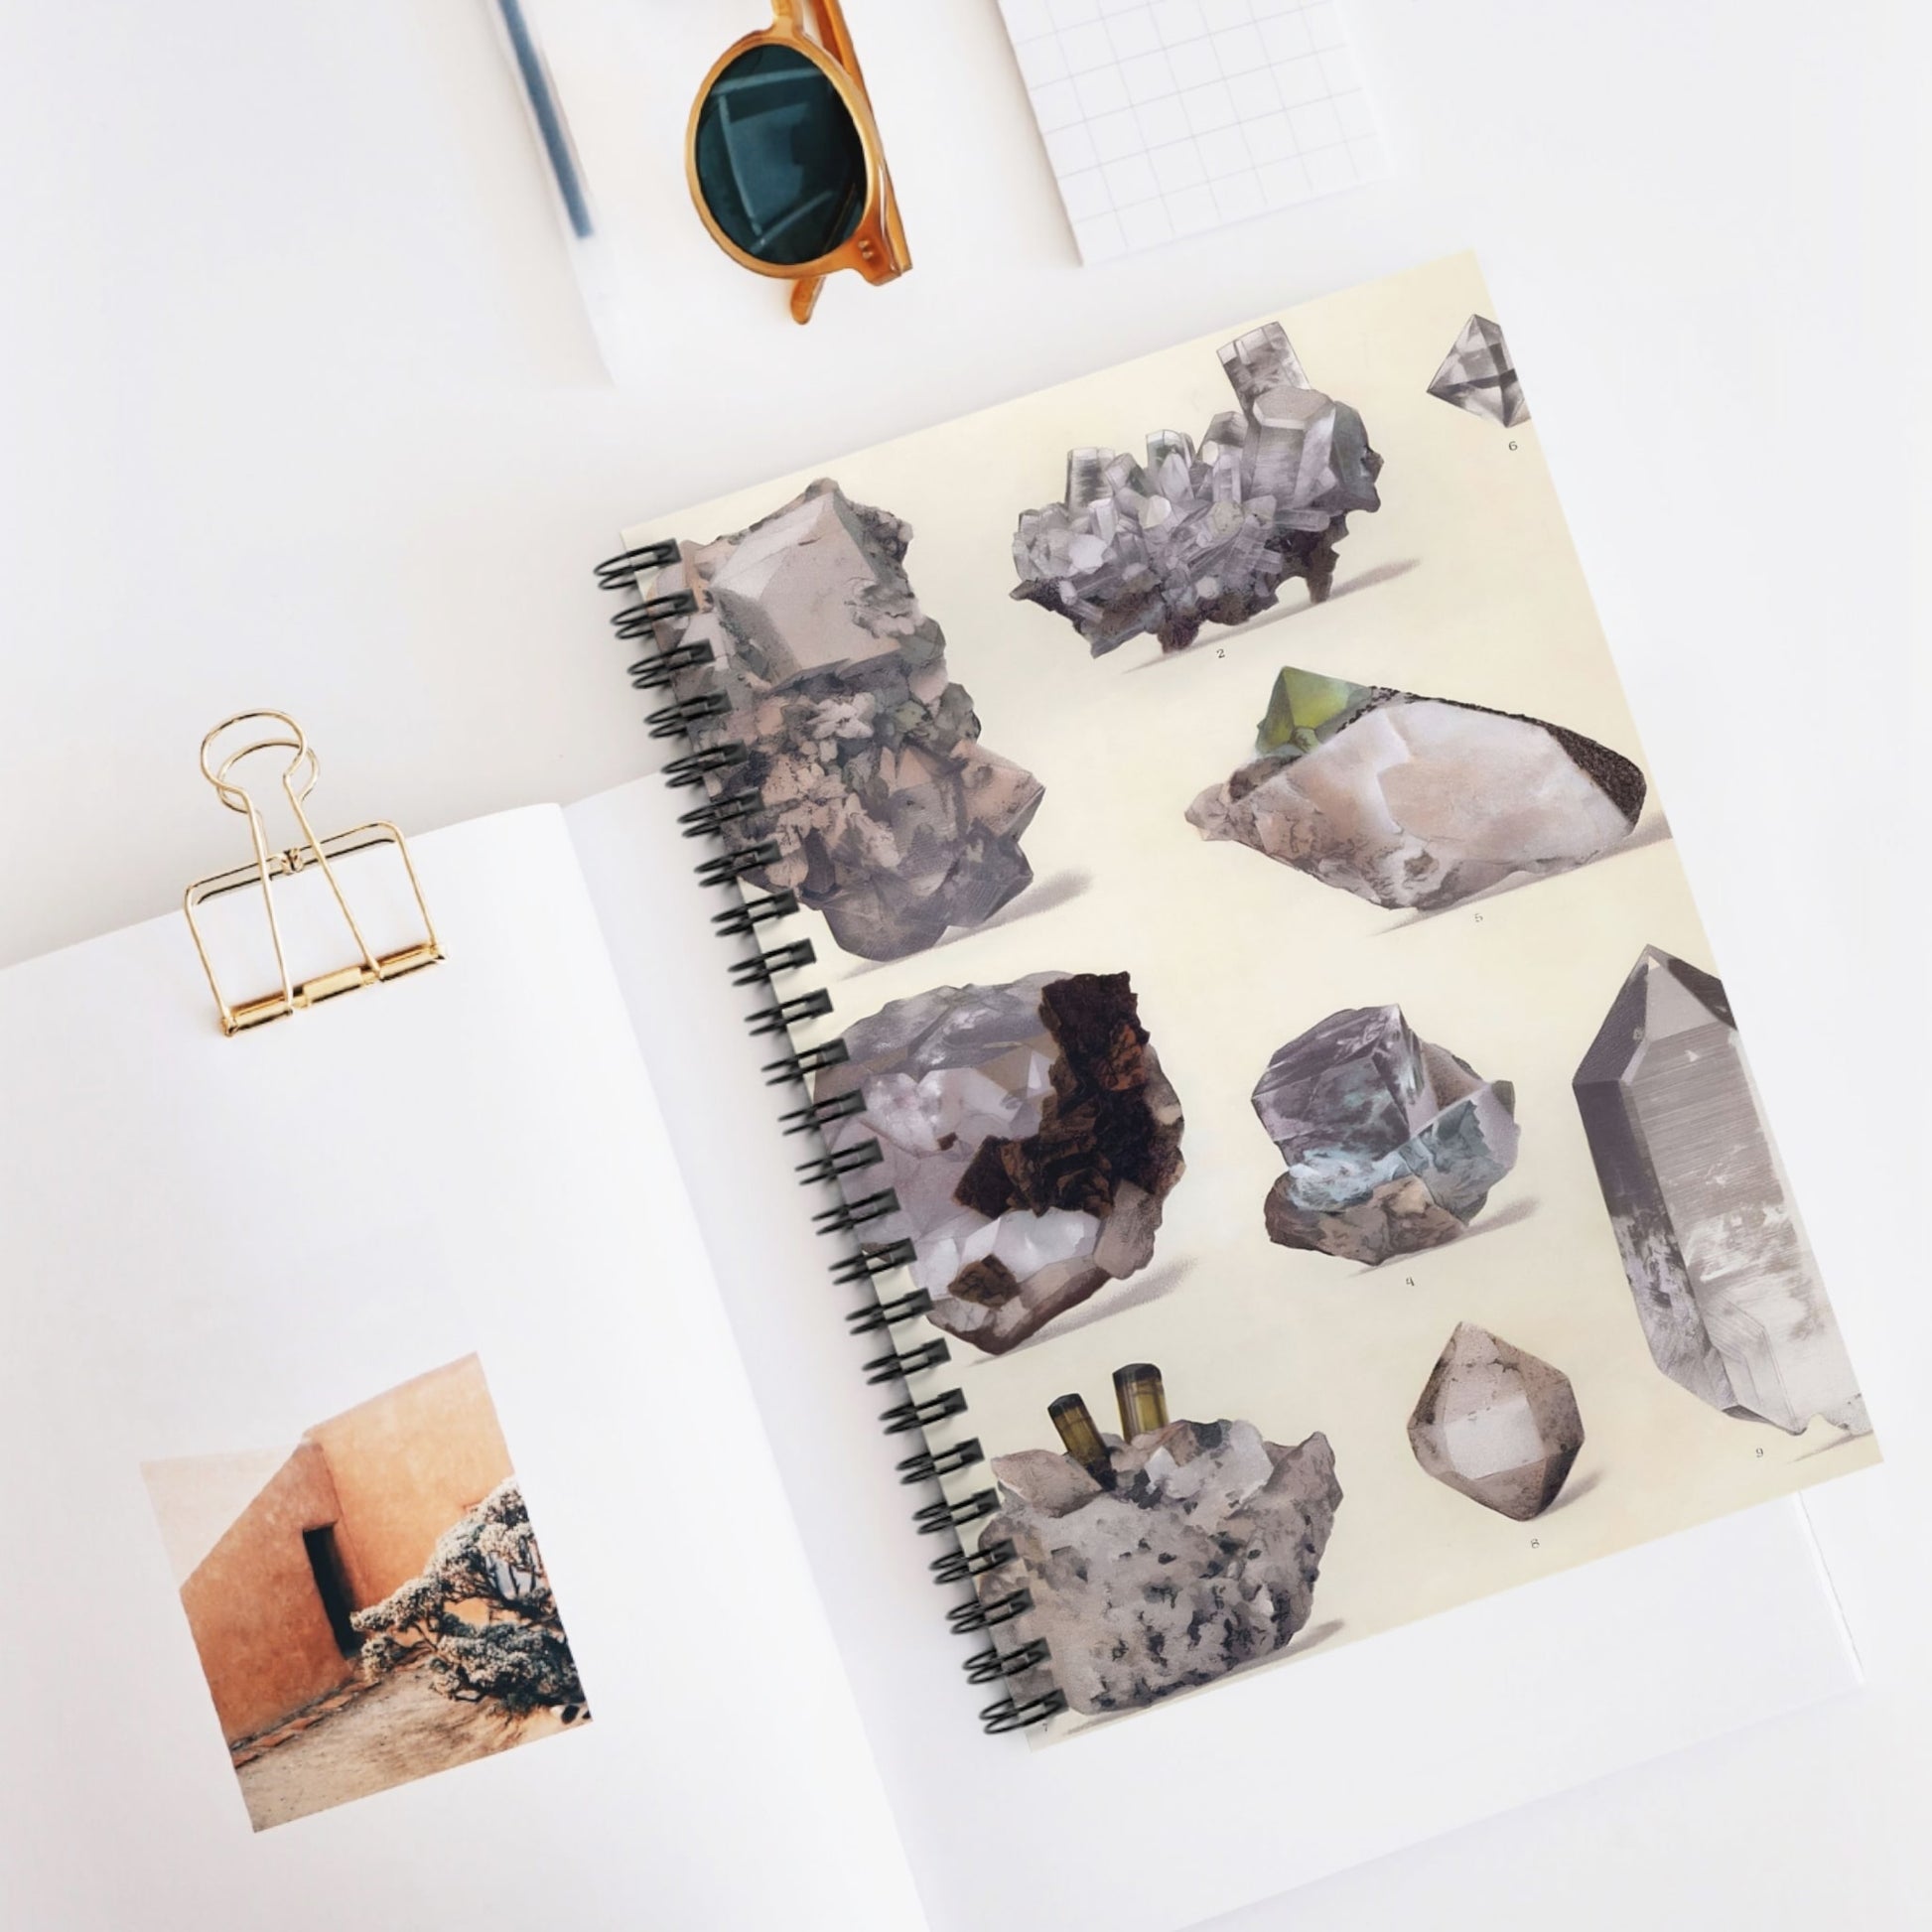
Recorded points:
1306,707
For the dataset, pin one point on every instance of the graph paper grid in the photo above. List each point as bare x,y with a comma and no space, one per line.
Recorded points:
1170,117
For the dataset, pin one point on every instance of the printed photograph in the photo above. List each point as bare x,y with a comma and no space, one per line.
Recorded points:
368,1599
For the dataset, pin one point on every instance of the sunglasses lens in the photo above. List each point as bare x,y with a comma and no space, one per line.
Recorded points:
780,163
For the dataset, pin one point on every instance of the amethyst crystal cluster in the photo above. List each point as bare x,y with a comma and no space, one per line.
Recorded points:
1205,534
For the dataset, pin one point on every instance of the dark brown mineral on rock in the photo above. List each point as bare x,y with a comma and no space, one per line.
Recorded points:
1029,1135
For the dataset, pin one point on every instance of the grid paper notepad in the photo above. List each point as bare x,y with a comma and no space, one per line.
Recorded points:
1170,117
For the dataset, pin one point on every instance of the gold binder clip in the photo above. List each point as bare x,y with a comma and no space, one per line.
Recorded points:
298,780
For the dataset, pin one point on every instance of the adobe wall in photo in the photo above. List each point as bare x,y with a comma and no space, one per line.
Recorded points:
406,1464
351,1513
260,1626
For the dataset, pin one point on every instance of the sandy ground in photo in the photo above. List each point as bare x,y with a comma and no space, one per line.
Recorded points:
397,1731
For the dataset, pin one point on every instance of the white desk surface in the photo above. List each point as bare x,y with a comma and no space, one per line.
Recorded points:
298,407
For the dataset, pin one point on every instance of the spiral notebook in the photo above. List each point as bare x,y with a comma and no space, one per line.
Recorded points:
1188,1019
1243,983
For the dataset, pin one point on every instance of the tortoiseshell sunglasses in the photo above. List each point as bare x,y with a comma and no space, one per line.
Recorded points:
784,159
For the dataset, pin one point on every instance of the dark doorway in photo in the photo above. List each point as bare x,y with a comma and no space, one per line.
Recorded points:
332,1583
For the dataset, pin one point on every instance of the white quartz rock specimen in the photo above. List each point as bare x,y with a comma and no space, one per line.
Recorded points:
1203,1557
1419,802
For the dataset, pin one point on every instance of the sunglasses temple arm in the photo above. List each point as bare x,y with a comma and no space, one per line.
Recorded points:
833,33
804,295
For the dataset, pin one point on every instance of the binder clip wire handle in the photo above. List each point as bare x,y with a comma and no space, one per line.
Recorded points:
278,732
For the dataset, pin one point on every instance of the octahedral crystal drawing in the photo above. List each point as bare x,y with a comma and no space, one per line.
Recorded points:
1479,375
1392,1144
1417,802
1029,1135
1199,1554
1724,1284
888,815
1497,1422
1207,534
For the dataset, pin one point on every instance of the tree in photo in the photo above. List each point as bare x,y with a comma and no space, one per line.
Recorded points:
510,1651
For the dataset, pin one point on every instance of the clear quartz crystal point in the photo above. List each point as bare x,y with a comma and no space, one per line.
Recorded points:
1479,374
1724,1284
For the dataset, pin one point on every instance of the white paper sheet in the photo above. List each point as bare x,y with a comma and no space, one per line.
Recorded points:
204,1241
1165,118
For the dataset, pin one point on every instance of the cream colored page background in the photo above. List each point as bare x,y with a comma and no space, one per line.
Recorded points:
1462,586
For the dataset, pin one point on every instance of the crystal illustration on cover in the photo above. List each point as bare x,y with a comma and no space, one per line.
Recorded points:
1029,1134
1724,1284
1416,802
1497,1423
1162,1558
1479,375
888,815
1392,1144
1207,534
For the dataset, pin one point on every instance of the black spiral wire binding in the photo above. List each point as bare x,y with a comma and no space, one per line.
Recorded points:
763,968
904,1417
733,811
695,767
648,673
641,620
989,1665
870,1263
957,1566
621,573
907,1362
740,919
817,1115
847,1160
721,811
877,1315
796,1066
677,720
943,1515
786,1014
845,1215
1007,1715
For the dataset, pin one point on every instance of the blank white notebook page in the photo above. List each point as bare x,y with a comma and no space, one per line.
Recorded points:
1170,117
451,1189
